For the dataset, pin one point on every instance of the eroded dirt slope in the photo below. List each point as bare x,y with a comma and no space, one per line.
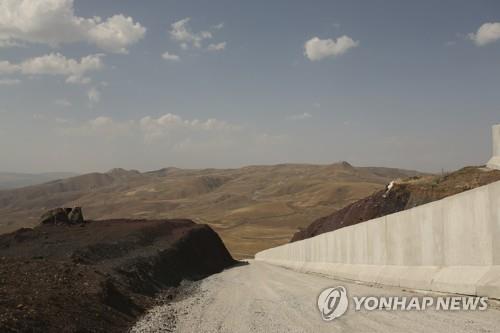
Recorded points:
403,194
99,276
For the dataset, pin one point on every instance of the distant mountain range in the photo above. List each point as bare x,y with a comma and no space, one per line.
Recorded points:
10,180
252,208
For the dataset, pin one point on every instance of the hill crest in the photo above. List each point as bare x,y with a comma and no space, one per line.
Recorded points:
252,208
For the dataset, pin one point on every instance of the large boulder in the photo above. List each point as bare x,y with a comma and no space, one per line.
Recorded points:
76,215
54,216
63,216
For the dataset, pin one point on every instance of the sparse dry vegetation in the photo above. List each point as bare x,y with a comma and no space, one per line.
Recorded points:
252,208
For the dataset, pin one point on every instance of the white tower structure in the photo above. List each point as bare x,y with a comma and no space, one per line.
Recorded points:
494,162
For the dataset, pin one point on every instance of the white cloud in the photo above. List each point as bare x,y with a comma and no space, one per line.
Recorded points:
62,102
117,33
7,68
188,142
54,22
156,127
170,56
181,32
317,49
55,64
171,124
94,96
9,82
217,47
171,121
169,129
219,26
301,116
100,122
486,34
75,79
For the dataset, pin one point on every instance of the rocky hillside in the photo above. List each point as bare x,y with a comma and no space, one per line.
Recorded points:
98,276
252,208
401,195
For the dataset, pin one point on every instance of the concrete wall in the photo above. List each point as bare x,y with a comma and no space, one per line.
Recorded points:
494,162
450,245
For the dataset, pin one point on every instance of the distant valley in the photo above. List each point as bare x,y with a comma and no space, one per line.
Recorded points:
252,208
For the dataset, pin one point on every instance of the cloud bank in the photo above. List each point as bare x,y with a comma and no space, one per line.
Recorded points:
54,22
55,64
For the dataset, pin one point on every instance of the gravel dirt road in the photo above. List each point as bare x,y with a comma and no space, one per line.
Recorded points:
260,297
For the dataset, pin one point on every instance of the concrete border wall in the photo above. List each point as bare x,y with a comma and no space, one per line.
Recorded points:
494,162
450,245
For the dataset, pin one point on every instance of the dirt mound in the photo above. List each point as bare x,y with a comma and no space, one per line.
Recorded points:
101,275
401,195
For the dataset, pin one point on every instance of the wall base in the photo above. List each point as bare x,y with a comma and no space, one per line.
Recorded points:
468,280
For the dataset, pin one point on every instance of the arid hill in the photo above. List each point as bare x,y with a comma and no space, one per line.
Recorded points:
401,195
252,208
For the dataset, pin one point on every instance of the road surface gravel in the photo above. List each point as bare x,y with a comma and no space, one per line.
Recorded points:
259,297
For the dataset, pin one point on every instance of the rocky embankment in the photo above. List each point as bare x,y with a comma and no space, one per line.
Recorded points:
70,275
401,195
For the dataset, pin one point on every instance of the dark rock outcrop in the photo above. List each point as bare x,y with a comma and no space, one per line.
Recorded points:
55,216
100,277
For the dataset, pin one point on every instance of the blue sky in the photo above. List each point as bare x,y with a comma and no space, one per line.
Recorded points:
411,84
